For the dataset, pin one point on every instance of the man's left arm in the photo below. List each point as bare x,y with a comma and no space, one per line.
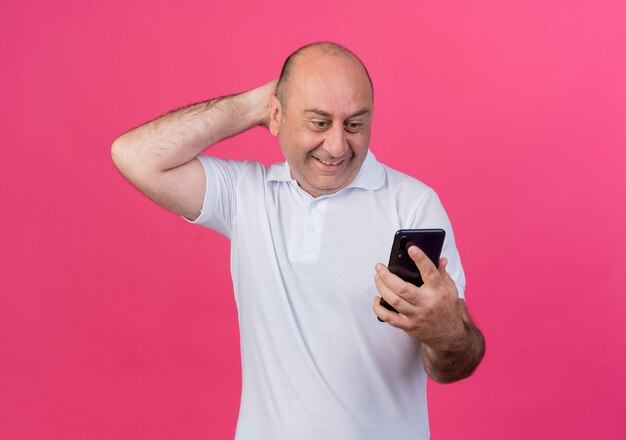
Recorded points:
434,315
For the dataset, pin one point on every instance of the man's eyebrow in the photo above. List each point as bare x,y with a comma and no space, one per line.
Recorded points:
317,111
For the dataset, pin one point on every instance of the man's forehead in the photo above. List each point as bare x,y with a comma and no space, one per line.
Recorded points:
315,61
320,80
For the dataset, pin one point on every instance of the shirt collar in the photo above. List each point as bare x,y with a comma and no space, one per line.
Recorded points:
371,176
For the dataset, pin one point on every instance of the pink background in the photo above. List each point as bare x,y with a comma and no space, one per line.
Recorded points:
117,319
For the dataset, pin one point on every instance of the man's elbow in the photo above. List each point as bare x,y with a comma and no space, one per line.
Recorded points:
119,153
126,158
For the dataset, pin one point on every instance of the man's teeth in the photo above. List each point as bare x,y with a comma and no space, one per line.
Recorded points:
329,163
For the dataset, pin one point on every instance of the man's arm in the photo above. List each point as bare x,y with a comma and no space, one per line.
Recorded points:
434,315
458,357
158,156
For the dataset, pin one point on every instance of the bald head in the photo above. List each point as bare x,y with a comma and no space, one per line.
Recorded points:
305,56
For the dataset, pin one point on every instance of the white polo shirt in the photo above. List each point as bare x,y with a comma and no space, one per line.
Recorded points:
316,362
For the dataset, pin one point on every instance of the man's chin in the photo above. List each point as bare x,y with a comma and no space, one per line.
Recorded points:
327,186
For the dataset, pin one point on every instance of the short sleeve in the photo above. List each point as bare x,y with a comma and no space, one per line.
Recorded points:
431,214
218,207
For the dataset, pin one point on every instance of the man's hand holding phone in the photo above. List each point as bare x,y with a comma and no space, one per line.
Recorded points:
430,313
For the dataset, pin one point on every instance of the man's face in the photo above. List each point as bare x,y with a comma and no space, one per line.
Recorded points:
324,128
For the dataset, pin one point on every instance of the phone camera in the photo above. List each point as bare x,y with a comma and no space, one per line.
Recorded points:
402,247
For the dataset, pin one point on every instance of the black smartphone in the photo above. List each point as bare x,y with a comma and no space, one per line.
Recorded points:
430,241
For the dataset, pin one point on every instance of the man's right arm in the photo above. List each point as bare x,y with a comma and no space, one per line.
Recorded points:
158,157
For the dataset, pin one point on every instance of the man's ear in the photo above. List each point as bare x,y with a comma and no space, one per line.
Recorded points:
276,115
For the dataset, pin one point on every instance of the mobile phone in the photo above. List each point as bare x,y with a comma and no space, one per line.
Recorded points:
430,241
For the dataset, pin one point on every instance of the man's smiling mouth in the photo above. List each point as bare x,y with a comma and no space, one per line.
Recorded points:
329,163
332,163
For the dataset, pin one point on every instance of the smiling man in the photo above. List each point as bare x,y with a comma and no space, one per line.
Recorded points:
307,236
322,116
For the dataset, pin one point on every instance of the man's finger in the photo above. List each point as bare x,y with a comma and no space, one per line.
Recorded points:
445,276
429,272
443,262
392,298
385,315
402,288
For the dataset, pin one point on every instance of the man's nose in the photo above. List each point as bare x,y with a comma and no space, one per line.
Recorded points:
336,143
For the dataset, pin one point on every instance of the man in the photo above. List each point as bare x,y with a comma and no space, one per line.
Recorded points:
305,239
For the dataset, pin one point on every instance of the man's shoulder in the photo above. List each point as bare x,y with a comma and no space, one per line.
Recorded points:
416,204
400,181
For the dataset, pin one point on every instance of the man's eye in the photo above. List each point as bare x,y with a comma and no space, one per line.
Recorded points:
354,126
321,124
